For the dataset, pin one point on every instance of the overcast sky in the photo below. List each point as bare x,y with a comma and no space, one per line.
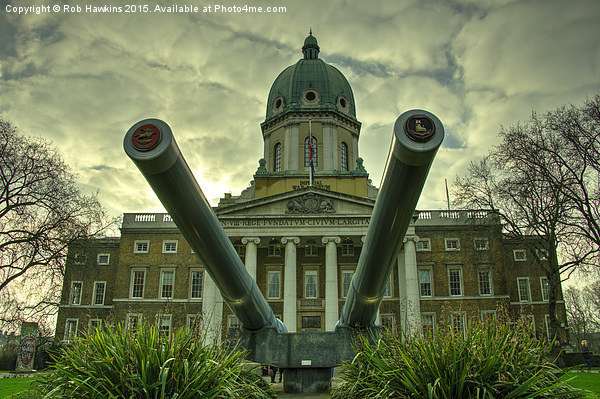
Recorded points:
82,79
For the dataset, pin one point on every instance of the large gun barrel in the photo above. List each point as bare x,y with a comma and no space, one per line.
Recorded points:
152,147
417,137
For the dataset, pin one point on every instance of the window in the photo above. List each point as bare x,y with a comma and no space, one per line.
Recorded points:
273,284
137,283
346,279
233,323
99,289
488,316
424,244
347,247
133,322
452,244
519,255
344,155
387,321
274,248
192,322
523,287
196,283
485,282
170,247
71,329
103,259
529,321
240,249
545,288
307,152
481,244
388,293
455,281
311,323
310,284
80,259
428,324
277,158
141,247
459,322
425,285
311,249
75,297
94,324
542,254
164,325
167,280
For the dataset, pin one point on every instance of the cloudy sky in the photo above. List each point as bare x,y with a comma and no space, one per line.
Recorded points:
82,79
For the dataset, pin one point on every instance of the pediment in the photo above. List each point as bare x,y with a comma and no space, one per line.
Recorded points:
304,202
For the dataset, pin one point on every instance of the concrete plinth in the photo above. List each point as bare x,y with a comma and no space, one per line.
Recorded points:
306,357
307,380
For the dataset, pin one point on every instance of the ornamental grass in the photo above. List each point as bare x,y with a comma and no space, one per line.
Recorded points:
494,360
116,363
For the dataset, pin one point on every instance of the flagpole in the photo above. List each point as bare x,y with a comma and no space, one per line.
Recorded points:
311,149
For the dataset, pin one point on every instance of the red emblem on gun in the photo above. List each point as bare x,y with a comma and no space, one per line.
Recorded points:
146,137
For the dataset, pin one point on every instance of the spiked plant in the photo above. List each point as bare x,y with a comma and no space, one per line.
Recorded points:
489,361
115,363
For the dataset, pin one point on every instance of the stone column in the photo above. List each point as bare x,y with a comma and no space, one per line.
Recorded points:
331,282
267,151
402,288
354,156
208,309
413,316
330,153
251,254
290,149
289,284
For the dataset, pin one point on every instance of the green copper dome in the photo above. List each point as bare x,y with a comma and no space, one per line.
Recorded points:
311,84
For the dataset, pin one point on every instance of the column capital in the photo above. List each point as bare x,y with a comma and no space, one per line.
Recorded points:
247,240
363,238
335,240
411,238
294,240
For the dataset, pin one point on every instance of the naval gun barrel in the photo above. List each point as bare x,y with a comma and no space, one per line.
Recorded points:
151,146
417,137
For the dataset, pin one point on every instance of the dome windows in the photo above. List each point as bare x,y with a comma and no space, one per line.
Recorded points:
344,156
278,105
310,97
277,158
342,104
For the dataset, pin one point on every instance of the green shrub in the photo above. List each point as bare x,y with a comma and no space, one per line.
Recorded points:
490,361
115,363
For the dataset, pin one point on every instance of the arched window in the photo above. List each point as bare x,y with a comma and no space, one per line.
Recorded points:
307,151
344,155
277,158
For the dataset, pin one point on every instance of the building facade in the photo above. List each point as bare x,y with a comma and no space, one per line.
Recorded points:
300,239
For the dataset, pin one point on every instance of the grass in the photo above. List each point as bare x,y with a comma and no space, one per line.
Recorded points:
11,386
588,381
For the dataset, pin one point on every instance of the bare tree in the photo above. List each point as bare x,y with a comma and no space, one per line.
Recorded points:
42,211
583,312
543,183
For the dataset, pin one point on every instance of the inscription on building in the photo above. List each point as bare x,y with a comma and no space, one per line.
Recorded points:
266,222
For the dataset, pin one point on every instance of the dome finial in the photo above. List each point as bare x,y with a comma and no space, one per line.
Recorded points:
311,47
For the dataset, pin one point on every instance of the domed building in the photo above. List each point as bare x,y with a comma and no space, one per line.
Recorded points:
299,229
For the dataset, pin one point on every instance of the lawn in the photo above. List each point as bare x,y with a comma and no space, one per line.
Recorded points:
587,381
10,386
